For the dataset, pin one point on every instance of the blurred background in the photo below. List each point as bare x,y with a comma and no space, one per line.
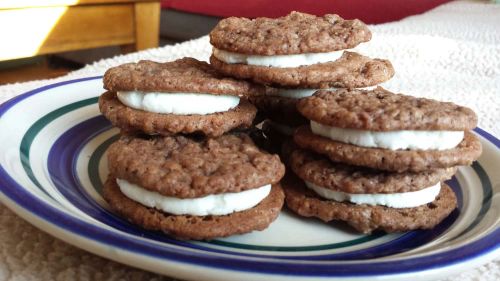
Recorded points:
44,39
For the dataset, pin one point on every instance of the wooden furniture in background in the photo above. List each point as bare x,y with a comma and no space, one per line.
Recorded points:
36,27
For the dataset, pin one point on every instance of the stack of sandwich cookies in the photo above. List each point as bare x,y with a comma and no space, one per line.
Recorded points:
294,56
184,96
180,166
194,189
377,160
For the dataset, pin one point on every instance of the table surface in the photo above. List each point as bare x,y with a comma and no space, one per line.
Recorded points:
449,54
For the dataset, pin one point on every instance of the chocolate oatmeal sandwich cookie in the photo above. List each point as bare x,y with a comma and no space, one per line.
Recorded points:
386,131
183,96
367,199
194,188
296,51
295,55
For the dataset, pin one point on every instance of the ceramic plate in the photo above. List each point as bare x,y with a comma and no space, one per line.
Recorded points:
53,165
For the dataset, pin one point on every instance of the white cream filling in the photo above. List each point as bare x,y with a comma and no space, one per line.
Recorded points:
404,139
295,93
217,204
178,103
393,200
277,60
304,93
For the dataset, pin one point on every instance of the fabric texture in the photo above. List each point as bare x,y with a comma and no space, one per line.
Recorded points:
451,53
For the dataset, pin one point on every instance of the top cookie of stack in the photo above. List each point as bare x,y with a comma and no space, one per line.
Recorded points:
385,131
295,55
299,50
184,96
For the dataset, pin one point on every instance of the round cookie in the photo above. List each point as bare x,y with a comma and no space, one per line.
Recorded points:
295,33
352,70
196,227
183,167
366,218
183,75
211,125
320,171
381,110
391,160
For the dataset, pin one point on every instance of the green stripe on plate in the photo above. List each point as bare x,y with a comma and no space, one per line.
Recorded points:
95,158
339,245
33,131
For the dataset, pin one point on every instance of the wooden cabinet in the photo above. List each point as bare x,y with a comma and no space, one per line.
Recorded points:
35,27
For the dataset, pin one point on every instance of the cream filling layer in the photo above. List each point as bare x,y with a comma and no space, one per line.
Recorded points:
304,93
216,204
392,200
296,93
393,140
295,60
178,103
